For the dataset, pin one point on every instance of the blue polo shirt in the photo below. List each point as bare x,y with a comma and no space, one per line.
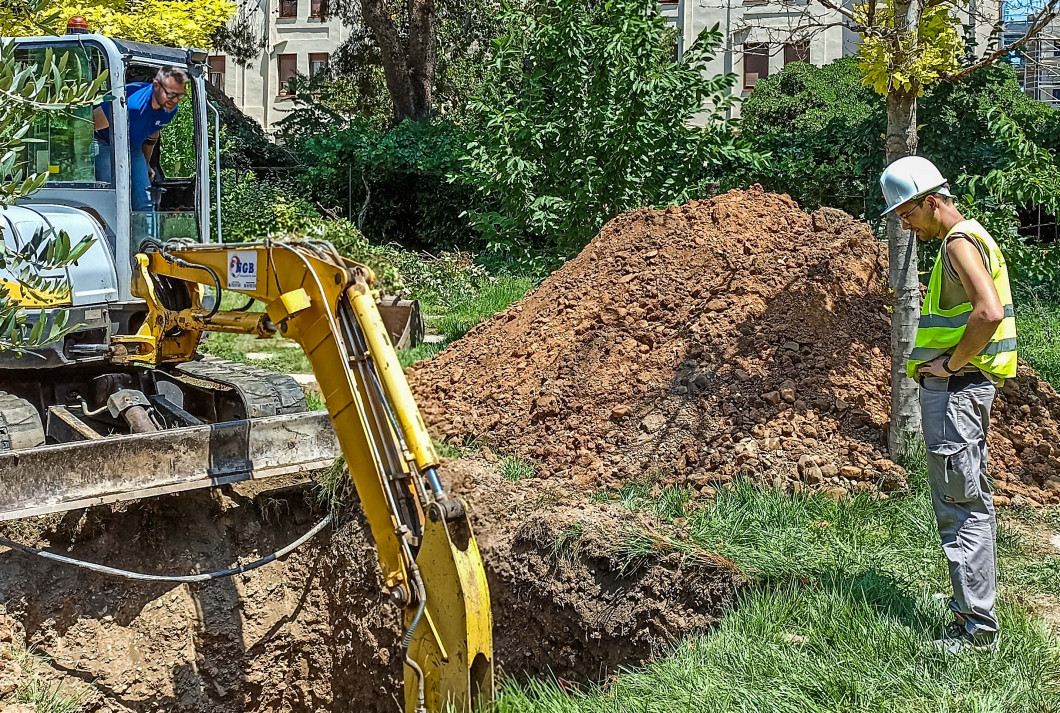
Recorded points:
144,120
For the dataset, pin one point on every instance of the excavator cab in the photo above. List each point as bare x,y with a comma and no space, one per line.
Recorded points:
125,406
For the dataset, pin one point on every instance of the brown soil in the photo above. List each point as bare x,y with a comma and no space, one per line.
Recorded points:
690,345
316,632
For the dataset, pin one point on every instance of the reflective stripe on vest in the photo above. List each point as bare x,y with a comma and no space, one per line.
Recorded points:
939,330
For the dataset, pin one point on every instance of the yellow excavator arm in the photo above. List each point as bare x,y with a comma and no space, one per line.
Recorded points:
427,551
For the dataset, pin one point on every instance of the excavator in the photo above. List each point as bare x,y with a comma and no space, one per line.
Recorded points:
124,406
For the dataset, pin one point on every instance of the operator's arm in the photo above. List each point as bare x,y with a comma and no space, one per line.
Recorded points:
149,150
987,310
99,119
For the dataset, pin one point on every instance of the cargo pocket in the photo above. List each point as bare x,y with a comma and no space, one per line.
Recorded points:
954,472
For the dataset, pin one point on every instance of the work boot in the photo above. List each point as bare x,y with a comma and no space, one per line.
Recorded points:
958,640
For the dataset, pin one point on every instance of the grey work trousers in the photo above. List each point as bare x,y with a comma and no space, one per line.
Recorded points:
956,418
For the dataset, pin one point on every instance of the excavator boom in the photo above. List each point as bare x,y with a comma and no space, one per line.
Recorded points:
428,554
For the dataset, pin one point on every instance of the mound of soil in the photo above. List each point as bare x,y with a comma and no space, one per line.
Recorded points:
316,631
733,336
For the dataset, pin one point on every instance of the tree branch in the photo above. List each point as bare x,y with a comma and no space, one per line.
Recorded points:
1047,15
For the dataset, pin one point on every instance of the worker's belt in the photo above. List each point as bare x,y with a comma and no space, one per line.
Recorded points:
960,380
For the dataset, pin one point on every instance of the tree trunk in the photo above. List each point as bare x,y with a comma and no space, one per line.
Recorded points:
409,65
905,406
422,54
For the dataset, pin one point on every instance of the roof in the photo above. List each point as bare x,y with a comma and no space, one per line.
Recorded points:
172,55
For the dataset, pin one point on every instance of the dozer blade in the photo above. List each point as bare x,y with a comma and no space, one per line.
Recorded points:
49,479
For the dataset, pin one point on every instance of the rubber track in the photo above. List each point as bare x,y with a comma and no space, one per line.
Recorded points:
265,393
20,424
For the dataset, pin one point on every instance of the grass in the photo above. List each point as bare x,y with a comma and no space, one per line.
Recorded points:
514,469
841,643
845,601
1038,326
34,691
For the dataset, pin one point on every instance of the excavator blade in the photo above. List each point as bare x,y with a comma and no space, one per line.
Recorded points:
48,479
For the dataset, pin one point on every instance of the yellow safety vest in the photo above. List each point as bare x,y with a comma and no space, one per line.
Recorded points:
940,329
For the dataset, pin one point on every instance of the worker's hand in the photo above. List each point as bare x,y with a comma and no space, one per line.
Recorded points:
151,174
933,368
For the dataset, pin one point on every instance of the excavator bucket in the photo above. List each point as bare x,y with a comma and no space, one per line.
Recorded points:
402,320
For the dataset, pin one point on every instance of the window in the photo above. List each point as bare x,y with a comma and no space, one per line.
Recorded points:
318,62
796,52
755,64
318,9
217,71
63,143
289,9
287,64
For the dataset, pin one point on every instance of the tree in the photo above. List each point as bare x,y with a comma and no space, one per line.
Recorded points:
822,127
26,92
426,55
586,114
175,23
908,46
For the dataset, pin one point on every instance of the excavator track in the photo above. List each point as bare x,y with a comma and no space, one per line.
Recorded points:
20,423
264,393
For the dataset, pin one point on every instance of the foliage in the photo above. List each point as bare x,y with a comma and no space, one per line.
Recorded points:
392,183
253,210
586,115
25,93
463,32
908,61
822,128
1026,175
176,23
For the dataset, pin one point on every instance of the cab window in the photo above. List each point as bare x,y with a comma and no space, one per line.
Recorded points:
62,142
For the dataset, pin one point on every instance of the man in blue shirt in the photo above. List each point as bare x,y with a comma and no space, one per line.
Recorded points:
151,106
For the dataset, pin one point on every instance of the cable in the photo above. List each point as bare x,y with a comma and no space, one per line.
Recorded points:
170,578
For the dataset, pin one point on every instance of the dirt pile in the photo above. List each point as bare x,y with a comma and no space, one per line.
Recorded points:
736,335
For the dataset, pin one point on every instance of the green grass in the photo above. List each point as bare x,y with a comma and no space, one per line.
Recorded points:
34,691
1038,326
844,601
840,643
514,469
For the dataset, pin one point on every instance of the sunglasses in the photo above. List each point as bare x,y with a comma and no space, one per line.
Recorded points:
905,216
169,94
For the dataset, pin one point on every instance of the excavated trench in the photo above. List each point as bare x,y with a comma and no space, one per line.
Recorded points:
315,631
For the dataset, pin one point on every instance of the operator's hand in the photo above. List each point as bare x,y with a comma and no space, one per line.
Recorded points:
151,174
933,368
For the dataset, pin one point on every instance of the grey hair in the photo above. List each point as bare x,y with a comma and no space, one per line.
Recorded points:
175,72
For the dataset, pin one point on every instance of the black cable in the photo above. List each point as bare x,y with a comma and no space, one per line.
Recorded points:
63,559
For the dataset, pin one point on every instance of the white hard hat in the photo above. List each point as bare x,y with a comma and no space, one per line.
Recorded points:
908,178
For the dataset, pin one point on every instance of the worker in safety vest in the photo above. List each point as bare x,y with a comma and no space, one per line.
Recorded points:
965,348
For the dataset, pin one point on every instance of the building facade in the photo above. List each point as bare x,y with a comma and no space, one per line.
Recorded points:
1038,61
299,37
759,37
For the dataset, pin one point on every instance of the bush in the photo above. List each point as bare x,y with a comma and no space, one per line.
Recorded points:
824,130
392,183
253,210
587,115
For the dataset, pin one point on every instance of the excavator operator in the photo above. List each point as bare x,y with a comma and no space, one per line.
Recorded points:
151,106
